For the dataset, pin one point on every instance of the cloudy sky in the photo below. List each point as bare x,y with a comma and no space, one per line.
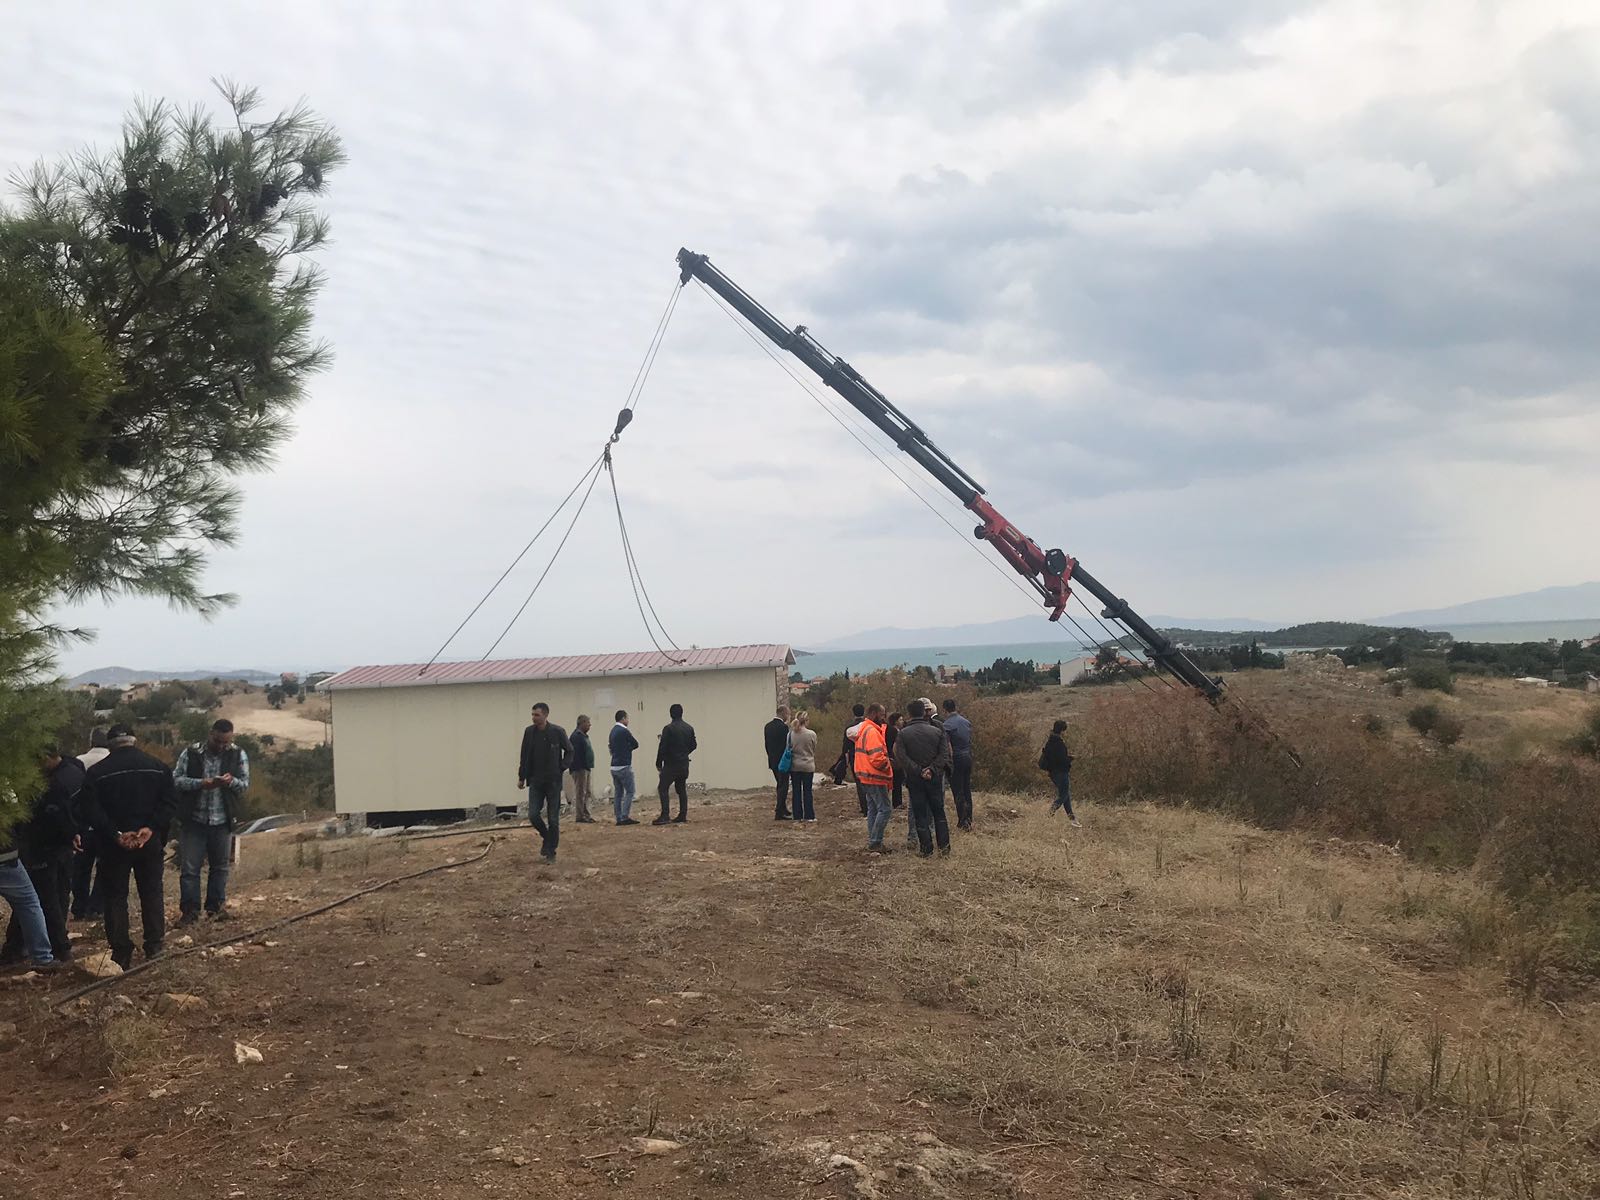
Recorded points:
1256,306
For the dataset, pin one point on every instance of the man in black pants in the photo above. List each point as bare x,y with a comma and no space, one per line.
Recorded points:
545,753
130,799
672,760
923,753
776,734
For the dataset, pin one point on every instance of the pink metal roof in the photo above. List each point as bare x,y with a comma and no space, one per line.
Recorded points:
577,666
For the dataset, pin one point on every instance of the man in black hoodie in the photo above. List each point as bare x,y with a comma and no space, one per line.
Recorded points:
672,760
45,842
130,800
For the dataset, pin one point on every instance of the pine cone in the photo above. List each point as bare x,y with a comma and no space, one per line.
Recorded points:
165,226
135,208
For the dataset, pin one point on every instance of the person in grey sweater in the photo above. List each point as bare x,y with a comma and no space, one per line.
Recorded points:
802,767
923,754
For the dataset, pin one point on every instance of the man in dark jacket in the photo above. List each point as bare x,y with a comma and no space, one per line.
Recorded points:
130,800
545,753
923,753
776,735
858,713
88,901
582,770
211,777
959,731
672,760
44,844
622,744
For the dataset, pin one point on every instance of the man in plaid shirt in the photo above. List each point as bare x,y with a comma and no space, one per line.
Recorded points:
210,776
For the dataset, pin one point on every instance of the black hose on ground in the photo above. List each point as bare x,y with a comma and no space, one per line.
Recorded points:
254,933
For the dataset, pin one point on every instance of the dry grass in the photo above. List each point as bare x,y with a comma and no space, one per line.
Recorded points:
1304,1003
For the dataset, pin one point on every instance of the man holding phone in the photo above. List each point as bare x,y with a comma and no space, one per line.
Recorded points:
210,776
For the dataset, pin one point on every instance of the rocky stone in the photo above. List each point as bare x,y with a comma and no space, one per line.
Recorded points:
99,965
176,1002
654,1145
244,1055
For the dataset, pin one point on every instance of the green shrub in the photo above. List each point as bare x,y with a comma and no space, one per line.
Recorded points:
1423,718
1375,724
1447,729
1588,738
1431,676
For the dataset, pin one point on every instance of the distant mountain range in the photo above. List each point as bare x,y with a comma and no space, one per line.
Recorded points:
1007,632
1579,602
1576,603
123,676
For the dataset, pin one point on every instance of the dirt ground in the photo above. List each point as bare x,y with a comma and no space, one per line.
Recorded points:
1024,1019
294,722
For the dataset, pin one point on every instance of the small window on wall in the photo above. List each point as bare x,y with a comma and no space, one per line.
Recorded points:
605,698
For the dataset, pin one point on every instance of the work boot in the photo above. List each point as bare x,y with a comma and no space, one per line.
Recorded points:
681,819
189,917
663,819
586,821
627,821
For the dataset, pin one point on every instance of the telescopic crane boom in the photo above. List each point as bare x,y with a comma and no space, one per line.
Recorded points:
1050,572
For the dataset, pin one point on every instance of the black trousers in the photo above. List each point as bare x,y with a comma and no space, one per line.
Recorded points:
861,798
544,795
674,776
781,778
87,900
145,865
927,810
961,790
51,875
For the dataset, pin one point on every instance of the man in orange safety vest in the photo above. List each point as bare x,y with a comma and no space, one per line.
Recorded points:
875,774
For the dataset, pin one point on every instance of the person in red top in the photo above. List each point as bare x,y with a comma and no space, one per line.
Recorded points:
875,774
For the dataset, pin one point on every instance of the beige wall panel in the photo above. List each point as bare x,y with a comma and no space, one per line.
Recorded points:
456,745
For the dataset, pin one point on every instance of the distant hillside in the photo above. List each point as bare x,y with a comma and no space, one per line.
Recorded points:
124,676
1578,602
1333,634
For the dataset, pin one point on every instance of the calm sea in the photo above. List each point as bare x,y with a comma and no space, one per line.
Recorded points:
829,662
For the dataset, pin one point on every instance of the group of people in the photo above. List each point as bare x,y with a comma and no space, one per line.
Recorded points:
548,753
891,755
103,820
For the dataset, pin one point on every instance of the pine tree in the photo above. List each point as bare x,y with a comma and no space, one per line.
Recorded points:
155,334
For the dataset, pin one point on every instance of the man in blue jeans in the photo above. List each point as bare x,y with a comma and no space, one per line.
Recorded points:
211,777
959,730
623,786
17,888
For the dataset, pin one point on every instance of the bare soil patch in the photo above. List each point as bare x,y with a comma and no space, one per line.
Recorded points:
301,723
